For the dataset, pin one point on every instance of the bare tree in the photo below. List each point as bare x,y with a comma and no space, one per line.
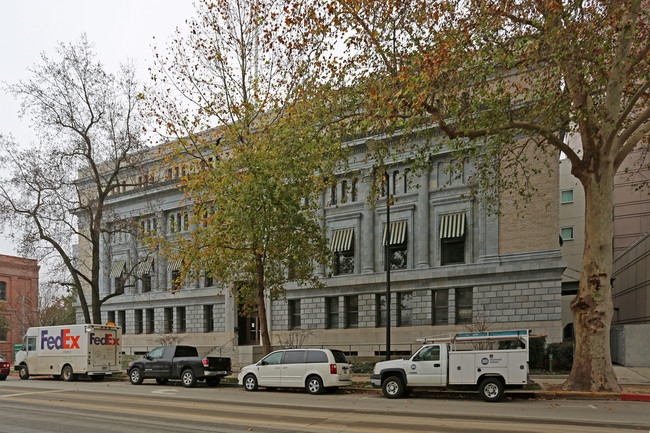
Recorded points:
56,194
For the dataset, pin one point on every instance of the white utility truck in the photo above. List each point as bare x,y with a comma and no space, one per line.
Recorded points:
70,350
468,359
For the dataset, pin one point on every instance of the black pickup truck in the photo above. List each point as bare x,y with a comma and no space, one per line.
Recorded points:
178,362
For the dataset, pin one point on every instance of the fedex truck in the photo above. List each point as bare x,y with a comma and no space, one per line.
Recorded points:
69,351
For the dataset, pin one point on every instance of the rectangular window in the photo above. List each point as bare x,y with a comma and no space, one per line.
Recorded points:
440,314
172,223
333,199
182,324
119,284
3,291
395,237
344,191
380,309
146,283
354,190
176,280
406,180
121,320
566,233
3,336
405,308
452,239
186,222
566,196
208,281
342,245
344,262
351,311
395,182
138,322
332,312
169,320
464,305
110,317
294,314
150,321
179,222
208,318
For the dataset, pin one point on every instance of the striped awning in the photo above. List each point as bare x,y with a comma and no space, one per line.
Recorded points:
117,268
342,240
174,264
452,226
397,233
144,267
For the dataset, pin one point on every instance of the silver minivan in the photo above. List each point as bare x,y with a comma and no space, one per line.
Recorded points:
313,369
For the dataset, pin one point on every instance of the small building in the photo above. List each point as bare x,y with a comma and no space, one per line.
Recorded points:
18,300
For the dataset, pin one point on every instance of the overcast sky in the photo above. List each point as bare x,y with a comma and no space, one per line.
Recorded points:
120,30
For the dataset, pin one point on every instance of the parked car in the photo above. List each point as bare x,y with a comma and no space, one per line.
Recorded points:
4,369
313,369
179,362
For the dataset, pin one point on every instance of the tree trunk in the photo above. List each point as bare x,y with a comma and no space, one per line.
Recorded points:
261,306
593,307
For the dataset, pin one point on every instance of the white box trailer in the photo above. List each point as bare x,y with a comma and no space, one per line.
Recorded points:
70,350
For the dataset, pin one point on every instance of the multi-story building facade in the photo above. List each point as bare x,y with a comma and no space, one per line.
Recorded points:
453,266
18,300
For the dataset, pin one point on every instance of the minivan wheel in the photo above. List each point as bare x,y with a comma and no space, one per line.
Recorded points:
314,385
250,383
393,387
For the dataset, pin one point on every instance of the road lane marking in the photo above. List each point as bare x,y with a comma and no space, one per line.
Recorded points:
32,393
165,391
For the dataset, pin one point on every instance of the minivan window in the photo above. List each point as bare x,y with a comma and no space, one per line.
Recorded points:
273,359
339,357
294,357
316,356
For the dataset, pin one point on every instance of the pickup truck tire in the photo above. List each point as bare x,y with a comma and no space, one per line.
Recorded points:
162,381
67,374
393,387
135,376
212,381
314,385
188,378
250,383
23,372
491,389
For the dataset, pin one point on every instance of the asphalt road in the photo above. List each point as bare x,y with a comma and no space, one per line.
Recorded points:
47,405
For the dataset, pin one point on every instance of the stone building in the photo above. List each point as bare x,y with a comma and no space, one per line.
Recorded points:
454,266
18,300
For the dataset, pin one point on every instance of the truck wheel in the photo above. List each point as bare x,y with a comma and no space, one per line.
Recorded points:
162,381
23,372
314,385
491,389
250,383
136,377
97,378
213,381
188,378
67,374
393,387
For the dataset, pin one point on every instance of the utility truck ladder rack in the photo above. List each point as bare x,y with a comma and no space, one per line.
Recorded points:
469,337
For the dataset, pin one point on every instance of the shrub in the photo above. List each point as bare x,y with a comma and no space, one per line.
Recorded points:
562,355
537,355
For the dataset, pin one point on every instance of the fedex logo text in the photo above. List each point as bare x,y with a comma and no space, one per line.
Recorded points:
63,341
106,340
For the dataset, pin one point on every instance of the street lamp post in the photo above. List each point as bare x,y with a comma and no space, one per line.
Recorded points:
387,263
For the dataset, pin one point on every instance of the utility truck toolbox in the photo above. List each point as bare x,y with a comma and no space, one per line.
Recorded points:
489,360
69,351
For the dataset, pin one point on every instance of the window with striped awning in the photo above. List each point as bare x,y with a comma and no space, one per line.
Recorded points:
117,268
174,264
452,226
144,267
342,240
397,233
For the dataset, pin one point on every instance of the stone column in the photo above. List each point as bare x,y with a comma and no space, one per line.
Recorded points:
421,241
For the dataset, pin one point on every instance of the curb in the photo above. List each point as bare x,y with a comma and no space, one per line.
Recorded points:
635,397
